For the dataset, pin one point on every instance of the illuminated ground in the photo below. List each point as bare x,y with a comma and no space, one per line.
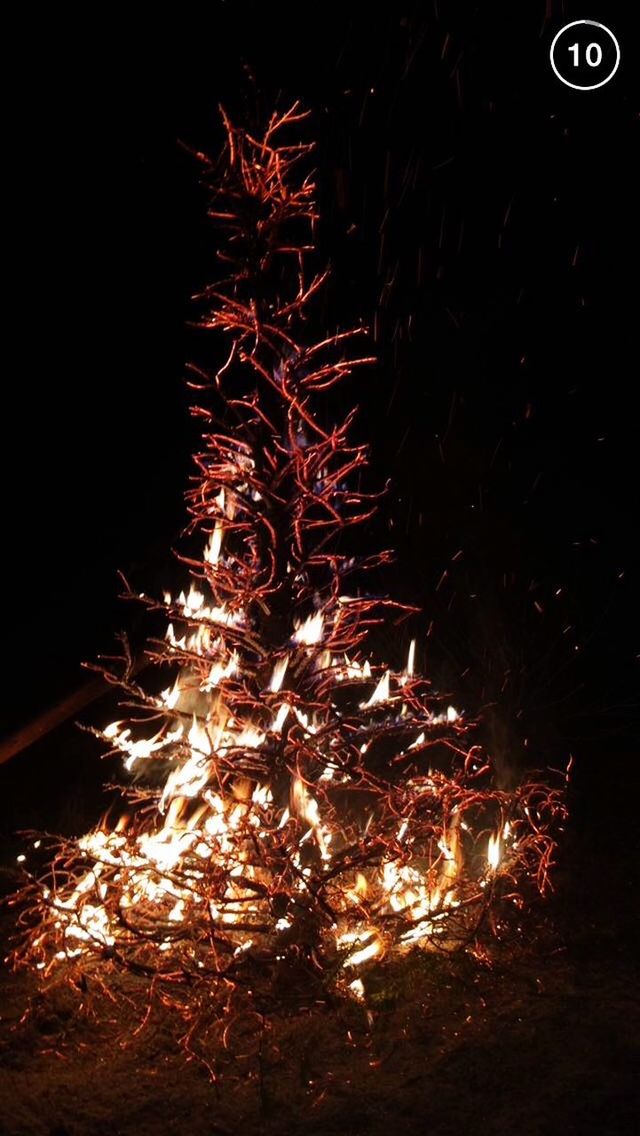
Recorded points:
546,1044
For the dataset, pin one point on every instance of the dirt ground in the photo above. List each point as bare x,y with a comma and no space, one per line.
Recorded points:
546,1041
543,1042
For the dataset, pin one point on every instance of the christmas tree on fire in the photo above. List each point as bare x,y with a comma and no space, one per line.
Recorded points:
316,810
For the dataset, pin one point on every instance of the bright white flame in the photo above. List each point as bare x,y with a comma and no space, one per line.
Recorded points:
171,695
493,851
354,669
303,719
278,674
381,692
213,546
144,747
188,779
372,947
450,715
307,807
311,630
219,671
195,607
280,718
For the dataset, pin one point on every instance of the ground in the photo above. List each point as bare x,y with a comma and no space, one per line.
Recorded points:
545,1041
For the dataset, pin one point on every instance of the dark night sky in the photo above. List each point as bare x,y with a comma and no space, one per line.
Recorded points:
480,212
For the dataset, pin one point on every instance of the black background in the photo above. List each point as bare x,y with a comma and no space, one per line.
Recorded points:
478,214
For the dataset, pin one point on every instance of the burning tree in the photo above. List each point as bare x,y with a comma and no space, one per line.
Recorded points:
315,810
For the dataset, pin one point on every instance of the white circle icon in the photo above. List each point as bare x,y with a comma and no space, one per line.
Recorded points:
584,55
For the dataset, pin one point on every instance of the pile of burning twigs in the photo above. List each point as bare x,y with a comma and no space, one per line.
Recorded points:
292,806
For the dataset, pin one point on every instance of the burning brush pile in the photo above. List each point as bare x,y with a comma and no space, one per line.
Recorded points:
315,811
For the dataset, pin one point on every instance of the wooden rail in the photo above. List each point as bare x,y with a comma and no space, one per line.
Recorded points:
49,719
